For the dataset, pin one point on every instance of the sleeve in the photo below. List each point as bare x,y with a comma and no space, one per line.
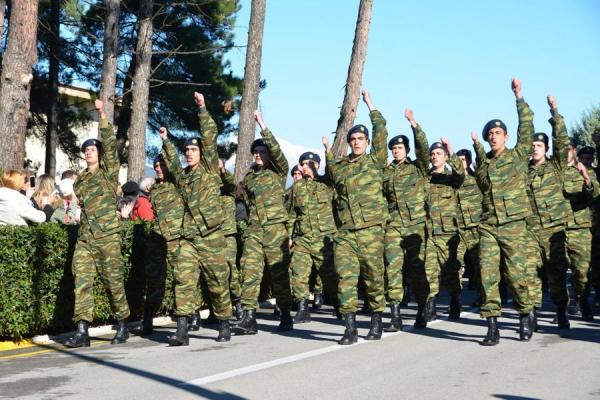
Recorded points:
28,212
228,184
278,159
480,155
525,131
380,135
458,171
110,157
144,210
330,166
171,159
421,149
208,128
560,139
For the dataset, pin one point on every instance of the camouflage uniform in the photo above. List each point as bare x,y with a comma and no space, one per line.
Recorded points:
98,246
266,236
362,211
230,232
310,212
502,179
203,243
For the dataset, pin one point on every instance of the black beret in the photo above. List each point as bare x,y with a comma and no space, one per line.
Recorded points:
436,145
357,129
541,137
294,169
492,124
309,155
586,150
130,188
256,143
91,142
573,142
400,139
158,159
195,141
466,154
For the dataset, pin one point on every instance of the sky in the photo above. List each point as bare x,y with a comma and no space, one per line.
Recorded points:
450,61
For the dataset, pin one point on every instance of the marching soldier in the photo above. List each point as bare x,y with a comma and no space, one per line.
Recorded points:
267,238
362,212
203,244
98,243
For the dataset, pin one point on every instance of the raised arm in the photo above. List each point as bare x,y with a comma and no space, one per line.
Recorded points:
110,158
421,144
458,170
560,137
329,164
380,133
278,159
227,181
526,130
170,154
208,133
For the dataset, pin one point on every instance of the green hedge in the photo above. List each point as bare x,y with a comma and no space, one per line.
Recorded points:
36,283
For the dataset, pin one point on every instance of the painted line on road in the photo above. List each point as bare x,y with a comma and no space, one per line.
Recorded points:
296,357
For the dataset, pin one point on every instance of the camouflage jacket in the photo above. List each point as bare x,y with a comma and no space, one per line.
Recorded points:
228,203
550,208
580,197
359,182
264,187
469,203
502,178
97,190
200,186
310,208
169,209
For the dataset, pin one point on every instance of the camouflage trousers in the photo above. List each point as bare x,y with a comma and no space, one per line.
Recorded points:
443,255
405,252
235,279
266,245
508,241
470,240
554,261
312,252
359,252
102,256
579,253
534,265
202,254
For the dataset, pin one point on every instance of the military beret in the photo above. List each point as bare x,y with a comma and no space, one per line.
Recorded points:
294,169
466,154
158,159
400,139
492,124
309,155
256,143
91,142
130,188
357,129
586,150
573,142
436,145
541,137
195,141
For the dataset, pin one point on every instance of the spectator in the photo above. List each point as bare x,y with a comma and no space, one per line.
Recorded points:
44,197
69,213
136,204
16,208
69,174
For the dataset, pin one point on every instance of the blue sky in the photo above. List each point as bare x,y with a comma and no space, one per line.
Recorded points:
450,61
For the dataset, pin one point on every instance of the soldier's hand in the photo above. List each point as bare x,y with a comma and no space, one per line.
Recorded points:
584,173
447,145
325,141
551,101
367,99
99,104
162,132
516,87
474,137
221,166
199,99
408,114
259,119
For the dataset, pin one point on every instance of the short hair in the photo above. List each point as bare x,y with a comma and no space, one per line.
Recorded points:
145,183
14,179
69,174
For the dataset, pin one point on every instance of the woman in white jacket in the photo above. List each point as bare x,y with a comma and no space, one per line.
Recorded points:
15,208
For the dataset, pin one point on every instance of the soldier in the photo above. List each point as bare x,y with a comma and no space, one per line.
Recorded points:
98,243
444,250
362,211
502,178
404,186
267,237
203,244
586,156
469,206
311,217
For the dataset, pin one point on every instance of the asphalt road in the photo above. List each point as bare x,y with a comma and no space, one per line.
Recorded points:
443,361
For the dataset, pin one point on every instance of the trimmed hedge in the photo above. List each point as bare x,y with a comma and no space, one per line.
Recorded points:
36,283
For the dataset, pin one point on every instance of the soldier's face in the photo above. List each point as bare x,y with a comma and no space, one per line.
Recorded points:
538,151
296,176
159,169
358,143
586,159
399,152
306,170
192,155
464,161
497,138
438,158
261,156
90,154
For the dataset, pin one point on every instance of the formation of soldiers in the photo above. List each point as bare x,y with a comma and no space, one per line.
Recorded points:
520,215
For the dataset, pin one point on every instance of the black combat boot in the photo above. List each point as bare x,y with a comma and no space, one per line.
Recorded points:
247,325
525,331
276,311
81,338
351,333
376,327
195,321
396,320
587,314
492,337
455,307
562,318
147,323
238,311
302,315
421,318
317,302
122,332
534,320
406,296
224,331
181,337
285,322
431,310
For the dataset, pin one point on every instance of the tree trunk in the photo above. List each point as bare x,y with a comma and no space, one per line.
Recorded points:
110,52
141,89
354,80
52,115
17,64
251,88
